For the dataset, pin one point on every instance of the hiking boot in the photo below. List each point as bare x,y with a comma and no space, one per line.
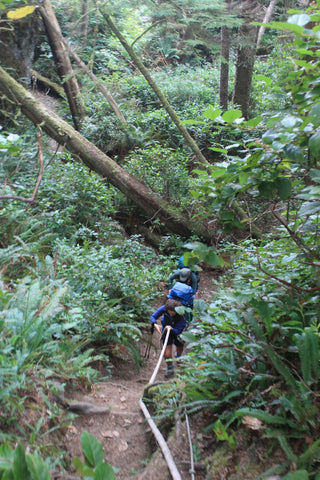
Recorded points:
169,373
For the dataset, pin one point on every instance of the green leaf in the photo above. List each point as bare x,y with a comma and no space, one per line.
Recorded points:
309,208
243,177
82,468
222,150
294,153
300,20
231,115
212,114
297,475
315,175
104,471
283,26
263,78
37,468
253,122
20,467
261,415
308,346
284,187
92,449
289,121
266,189
315,113
213,259
314,144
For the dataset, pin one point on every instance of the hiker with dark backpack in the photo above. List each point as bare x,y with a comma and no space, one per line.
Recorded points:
176,324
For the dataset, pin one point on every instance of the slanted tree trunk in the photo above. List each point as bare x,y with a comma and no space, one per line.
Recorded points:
266,19
173,115
64,134
105,92
224,67
63,63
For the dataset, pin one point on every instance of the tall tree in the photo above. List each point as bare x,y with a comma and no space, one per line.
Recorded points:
224,67
175,221
84,22
246,53
17,48
62,62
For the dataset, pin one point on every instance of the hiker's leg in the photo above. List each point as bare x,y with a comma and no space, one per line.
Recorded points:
168,354
179,351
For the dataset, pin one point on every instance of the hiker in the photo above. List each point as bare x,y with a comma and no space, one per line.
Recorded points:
184,275
195,270
176,324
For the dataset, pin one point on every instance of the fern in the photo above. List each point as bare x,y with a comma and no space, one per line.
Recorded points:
309,353
276,360
265,417
311,455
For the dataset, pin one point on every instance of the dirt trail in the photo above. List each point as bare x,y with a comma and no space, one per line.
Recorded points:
124,433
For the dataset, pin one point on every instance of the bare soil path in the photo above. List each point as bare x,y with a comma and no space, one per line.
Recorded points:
124,433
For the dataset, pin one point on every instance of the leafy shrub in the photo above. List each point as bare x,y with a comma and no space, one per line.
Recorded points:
162,169
73,198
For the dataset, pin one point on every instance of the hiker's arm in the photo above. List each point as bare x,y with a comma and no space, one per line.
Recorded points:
172,277
154,317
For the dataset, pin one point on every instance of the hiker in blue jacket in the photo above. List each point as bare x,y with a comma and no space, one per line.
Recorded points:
176,324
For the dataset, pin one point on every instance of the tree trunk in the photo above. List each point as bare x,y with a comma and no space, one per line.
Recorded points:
244,68
266,19
138,63
224,67
105,92
18,40
63,63
84,22
177,222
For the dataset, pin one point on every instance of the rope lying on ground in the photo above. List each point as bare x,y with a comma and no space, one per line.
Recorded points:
161,441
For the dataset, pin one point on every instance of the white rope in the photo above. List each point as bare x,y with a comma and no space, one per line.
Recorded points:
161,441
153,376
192,471
162,444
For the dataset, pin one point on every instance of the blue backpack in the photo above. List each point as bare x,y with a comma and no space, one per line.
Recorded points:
183,292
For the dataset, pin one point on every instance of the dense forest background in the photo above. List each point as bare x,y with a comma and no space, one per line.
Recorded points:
135,132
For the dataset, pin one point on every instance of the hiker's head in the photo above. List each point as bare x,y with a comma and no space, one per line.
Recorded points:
171,305
184,274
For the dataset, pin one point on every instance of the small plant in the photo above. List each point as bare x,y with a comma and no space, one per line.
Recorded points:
21,465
